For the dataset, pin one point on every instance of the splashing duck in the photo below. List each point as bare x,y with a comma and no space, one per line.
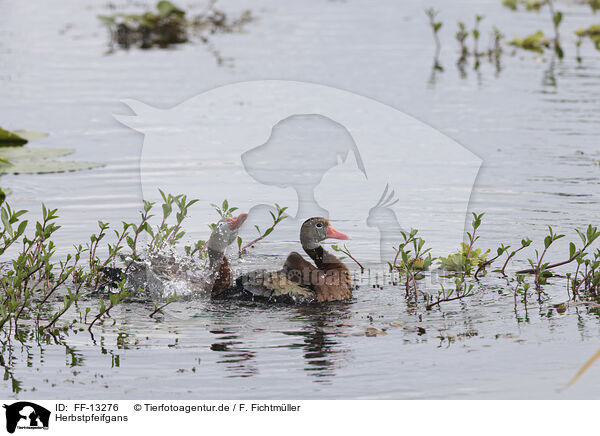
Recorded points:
299,281
156,273
223,235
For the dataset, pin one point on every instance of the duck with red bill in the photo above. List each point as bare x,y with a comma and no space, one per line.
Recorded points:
236,221
300,281
223,235
334,234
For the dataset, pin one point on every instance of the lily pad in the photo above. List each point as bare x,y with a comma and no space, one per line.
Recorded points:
14,154
30,135
46,167
28,160
11,139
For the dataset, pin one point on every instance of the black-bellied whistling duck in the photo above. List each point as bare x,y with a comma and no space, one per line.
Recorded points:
222,236
154,272
299,280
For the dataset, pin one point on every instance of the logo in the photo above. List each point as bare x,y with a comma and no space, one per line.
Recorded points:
321,151
26,415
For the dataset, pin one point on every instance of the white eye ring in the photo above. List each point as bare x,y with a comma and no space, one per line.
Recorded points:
319,225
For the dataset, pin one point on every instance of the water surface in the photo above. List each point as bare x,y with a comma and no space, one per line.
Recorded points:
534,124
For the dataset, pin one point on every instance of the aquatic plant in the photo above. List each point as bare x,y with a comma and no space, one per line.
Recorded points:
34,275
496,46
475,33
590,275
499,252
461,290
163,27
223,210
467,256
557,17
511,4
414,260
165,234
524,244
435,28
167,25
158,308
11,139
345,250
261,235
493,53
521,287
535,42
539,268
594,5
461,262
461,37
29,160
17,159
408,238
588,237
592,32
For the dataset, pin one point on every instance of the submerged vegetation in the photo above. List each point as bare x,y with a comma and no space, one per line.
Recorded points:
169,25
536,41
593,33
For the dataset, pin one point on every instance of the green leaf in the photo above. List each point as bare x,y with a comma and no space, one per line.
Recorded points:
166,8
559,51
22,227
8,139
558,16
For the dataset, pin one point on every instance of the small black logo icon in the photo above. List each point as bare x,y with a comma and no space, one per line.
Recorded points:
26,415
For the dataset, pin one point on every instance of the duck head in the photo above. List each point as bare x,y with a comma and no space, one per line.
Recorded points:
315,230
225,232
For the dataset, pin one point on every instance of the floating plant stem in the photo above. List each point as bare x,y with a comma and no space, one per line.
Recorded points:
501,250
115,299
524,243
161,307
460,291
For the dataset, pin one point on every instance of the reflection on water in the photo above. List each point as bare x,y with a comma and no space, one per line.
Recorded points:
323,353
236,358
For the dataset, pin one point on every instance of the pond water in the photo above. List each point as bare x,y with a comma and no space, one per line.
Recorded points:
533,124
